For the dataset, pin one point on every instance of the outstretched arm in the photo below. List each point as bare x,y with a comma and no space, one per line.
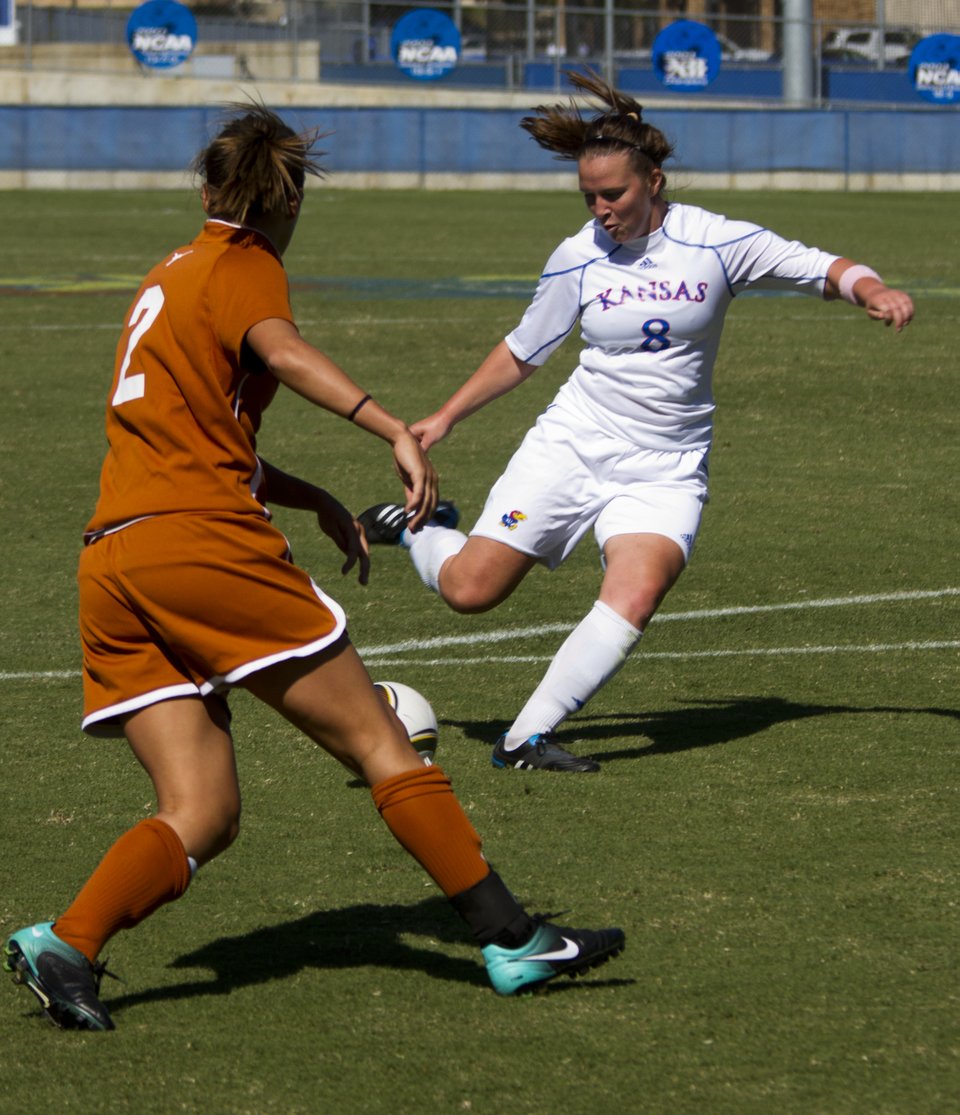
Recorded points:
310,373
336,522
862,286
499,373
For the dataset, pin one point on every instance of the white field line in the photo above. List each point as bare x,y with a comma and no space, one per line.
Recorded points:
703,613
343,322
61,327
770,652
39,675
387,654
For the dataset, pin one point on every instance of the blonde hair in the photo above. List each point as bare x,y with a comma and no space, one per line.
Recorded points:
617,125
256,165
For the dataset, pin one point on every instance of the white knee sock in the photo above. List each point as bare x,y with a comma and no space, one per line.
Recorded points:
592,653
429,549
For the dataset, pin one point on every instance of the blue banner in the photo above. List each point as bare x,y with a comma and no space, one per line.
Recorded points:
934,68
686,56
425,44
162,33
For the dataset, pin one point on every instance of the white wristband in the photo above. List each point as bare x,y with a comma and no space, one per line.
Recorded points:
850,277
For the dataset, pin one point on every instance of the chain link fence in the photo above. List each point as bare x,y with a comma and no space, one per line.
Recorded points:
510,46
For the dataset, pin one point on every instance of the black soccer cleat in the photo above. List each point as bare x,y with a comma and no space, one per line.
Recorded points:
552,951
61,977
540,753
385,522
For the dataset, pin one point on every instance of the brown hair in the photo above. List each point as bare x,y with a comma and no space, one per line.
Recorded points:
256,165
618,126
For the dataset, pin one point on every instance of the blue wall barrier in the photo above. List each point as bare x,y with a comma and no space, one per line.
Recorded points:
424,140
847,82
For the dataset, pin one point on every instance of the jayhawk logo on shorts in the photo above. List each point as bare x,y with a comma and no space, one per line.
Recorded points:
512,519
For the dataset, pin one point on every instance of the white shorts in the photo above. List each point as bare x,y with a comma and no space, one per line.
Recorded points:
567,477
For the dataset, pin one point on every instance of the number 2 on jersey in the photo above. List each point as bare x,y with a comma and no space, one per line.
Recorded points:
144,314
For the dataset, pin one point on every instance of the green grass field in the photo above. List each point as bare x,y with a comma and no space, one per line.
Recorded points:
776,822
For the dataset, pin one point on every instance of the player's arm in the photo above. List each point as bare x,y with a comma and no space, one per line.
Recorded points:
861,286
499,373
336,522
314,376
547,321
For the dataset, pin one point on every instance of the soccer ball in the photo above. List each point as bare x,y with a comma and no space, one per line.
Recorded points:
415,715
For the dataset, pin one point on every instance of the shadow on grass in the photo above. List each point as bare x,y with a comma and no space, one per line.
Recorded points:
703,723
353,937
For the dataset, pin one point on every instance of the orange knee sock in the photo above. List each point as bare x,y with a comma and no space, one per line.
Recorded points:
421,810
144,869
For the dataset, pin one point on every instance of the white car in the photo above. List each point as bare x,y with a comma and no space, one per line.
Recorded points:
729,52
867,42
732,52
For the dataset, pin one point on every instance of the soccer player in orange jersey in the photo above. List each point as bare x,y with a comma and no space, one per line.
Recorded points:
187,589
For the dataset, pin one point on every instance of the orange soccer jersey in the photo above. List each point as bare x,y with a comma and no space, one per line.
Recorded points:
186,402
185,586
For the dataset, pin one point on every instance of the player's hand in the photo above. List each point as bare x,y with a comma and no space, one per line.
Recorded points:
428,431
342,528
419,479
892,307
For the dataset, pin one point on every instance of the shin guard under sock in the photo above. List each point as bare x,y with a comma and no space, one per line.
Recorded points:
421,810
146,868
590,656
429,549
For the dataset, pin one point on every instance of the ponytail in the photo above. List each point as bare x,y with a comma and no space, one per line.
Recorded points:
617,125
256,165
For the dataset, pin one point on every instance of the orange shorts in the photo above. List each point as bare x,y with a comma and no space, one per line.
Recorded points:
186,605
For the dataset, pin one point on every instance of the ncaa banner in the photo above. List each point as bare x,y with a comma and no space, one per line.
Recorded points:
934,69
425,44
686,56
161,33
8,23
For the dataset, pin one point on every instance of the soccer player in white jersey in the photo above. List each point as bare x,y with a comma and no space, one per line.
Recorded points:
623,447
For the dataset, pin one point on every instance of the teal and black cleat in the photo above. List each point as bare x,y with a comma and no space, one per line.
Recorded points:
446,514
539,752
552,951
384,523
60,976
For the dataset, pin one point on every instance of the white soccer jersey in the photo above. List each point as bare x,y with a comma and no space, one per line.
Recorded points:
651,312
